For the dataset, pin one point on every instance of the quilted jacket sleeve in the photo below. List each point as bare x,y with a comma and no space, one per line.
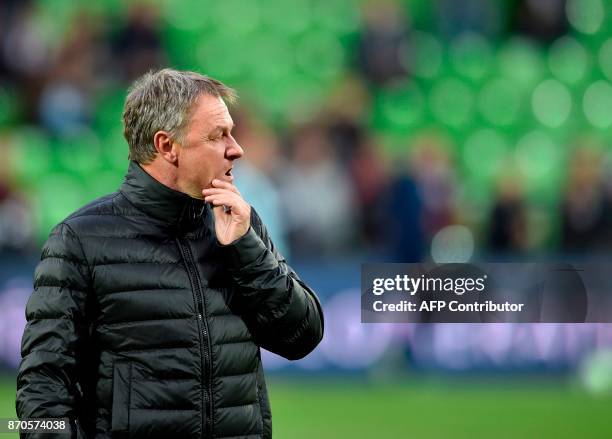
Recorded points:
283,313
55,334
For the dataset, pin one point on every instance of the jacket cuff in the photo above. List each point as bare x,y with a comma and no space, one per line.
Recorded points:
243,251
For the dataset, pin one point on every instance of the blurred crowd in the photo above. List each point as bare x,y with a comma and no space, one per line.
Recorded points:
325,185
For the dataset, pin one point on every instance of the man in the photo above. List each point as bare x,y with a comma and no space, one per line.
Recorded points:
150,304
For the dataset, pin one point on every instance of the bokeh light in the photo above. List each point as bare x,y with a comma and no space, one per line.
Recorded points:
452,102
568,60
596,373
336,15
551,103
499,101
472,56
585,16
452,244
605,58
194,15
289,17
53,208
320,54
537,155
402,106
30,155
596,104
239,17
485,153
424,58
521,61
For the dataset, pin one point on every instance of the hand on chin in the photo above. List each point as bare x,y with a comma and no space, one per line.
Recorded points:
232,214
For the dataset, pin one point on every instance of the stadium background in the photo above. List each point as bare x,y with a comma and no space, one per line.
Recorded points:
446,130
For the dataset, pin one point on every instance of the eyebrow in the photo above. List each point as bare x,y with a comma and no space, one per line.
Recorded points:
223,127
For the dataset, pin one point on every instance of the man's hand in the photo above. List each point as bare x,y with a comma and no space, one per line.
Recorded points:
232,213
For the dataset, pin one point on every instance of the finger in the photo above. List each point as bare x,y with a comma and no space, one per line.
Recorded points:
222,209
221,199
216,191
225,185
232,201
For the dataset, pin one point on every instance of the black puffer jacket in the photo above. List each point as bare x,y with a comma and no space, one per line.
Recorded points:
141,325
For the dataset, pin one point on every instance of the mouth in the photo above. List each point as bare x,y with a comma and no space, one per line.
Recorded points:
228,175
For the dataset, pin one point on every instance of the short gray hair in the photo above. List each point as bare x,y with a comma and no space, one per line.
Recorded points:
161,101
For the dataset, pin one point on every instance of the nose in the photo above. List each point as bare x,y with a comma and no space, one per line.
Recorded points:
234,151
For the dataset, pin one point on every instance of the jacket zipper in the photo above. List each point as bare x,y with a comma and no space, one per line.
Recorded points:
205,350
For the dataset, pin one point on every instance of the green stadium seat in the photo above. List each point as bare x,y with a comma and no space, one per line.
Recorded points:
30,155
605,58
399,108
105,182
55,196
339,16
551,103
80,156
568,60
499,102
115,151
452,102
240,17
191,15
586,16
9,105
319,53
540,160
108,110
597,103
472,56
485,154
425,55
521,61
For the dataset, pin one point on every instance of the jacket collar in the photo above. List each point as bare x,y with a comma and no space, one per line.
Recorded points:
159,201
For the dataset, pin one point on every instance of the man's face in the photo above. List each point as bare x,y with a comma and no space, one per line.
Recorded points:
208,149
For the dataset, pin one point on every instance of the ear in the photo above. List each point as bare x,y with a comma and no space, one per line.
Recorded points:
166,148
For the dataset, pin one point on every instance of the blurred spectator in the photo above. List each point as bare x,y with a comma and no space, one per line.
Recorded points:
585,208
262,159
26,52
52,79
317,196
25,46
16,228
433,169
370,180
138,44
65,106
349,101
456,17
402,219
383,41
543,20
507,231
9,10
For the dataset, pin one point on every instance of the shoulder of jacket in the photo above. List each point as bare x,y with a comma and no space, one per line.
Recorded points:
80,218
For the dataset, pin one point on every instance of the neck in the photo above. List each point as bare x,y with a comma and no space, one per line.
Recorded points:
150,195
165,174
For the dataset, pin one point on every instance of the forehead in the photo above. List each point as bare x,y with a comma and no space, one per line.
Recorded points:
210,112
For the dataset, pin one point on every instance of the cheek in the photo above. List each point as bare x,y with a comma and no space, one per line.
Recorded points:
202,166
